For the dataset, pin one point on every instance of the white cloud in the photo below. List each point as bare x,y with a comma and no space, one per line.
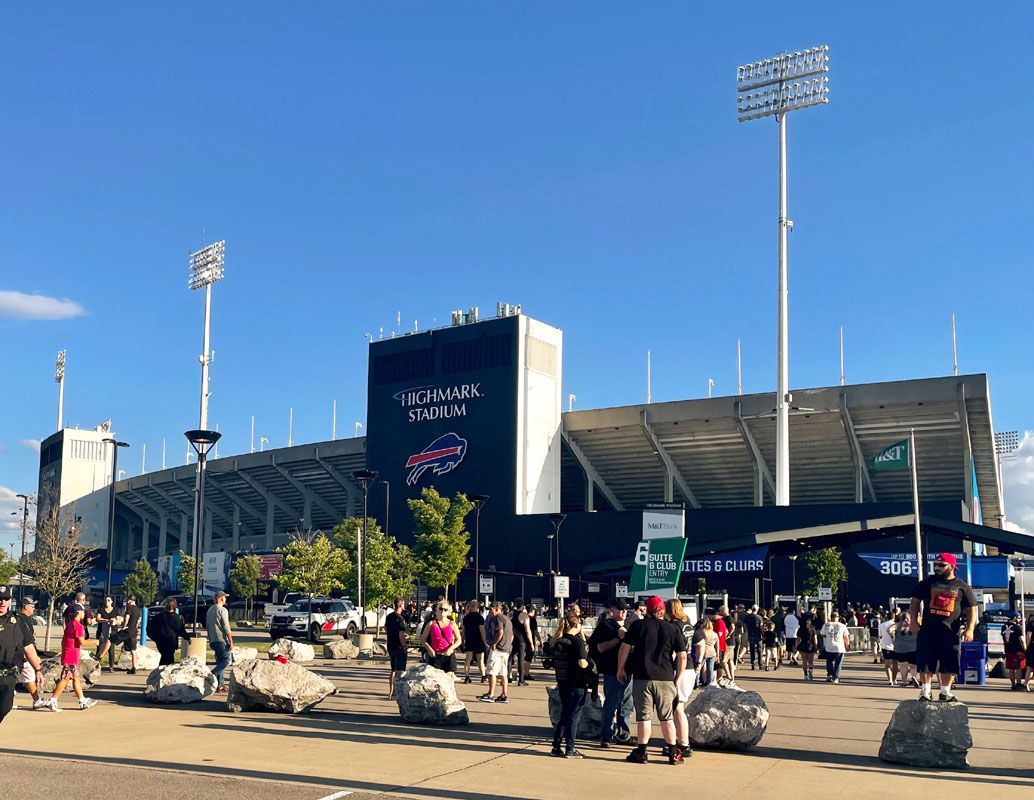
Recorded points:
1018,483
37,306
32,444
10,523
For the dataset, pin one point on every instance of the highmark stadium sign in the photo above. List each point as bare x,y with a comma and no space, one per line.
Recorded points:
426,403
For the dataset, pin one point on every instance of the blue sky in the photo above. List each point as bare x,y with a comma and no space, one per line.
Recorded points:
582,159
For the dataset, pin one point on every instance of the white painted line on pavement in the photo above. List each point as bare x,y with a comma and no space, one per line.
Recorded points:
335,796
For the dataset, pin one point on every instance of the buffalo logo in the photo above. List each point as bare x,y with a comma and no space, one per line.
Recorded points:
442,455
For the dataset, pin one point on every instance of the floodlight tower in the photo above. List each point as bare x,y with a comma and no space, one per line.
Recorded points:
769,88
59,379
1006,444
206,267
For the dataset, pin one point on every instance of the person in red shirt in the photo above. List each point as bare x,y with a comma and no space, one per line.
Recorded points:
723,634
72,642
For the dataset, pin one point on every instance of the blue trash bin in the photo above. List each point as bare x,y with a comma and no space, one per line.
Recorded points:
973,664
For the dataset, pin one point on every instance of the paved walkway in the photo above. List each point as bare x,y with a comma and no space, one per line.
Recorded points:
820,736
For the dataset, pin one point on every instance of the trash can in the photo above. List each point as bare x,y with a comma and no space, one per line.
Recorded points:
973,664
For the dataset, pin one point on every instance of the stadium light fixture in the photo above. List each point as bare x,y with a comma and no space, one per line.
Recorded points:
768,88
1006,444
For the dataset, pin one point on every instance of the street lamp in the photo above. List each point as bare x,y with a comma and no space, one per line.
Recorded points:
202,441
111,505
25,526
768,88
793,564
478,500
365,477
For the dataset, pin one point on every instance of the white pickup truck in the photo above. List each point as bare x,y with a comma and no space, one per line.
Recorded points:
269,609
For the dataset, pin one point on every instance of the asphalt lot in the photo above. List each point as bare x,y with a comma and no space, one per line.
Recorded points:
820,736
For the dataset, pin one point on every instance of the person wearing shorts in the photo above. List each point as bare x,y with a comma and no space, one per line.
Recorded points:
656,652
886,634
72,642
905,650
499,632
1015,655
944,599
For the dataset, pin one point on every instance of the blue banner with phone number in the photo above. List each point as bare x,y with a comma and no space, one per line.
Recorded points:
904,564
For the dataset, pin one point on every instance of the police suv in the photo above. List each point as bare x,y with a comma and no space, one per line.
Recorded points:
329,616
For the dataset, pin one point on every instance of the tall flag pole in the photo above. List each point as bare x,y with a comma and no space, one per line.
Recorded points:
899,456
915,500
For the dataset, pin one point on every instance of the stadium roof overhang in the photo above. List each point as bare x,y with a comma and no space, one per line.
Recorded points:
720,452
304,486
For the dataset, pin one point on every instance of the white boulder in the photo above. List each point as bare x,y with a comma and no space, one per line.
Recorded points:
146,659
294,650
427,696
184,682
272,686
727,718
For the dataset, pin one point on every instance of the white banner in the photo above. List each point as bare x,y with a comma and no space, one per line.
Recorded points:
214,571
667,523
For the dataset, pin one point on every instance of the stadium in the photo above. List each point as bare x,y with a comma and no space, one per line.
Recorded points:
476,407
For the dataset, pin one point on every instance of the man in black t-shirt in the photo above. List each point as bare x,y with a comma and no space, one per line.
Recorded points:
656,652
606,638
395,630
944,598
1015,652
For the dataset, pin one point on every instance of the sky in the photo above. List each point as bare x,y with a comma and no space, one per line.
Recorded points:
368,162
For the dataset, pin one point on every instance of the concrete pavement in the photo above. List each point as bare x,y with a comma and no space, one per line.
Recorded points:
821,739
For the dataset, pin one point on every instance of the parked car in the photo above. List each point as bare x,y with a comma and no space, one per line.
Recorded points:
185,604
328,617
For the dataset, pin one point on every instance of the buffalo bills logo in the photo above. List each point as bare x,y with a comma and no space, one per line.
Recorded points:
442,455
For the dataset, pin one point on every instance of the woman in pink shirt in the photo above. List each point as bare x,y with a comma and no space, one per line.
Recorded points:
72,642
441,638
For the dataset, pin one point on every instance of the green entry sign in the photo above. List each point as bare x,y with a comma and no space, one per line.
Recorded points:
658,564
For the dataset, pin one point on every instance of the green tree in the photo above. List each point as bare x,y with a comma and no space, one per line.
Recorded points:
8,568
824,568
389,565
442,541
312,565
244,577
185,575
141,582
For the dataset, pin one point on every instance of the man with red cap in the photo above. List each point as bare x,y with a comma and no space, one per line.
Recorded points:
658,659
944,598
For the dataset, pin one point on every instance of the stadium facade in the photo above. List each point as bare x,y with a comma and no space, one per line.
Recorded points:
477,408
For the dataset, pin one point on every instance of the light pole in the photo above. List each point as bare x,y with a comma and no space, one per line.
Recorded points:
365,477
557,520
25,526
774,87
111,506
206,267
793,564
478,500
59,379
1006,443
202,441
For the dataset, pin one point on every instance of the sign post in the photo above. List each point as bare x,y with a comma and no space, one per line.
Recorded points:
561,590
486,586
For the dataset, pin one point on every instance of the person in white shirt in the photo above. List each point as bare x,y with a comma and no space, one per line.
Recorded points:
836,640
790,627
890,661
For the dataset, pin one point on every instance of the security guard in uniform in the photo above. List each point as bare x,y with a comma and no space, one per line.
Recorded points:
15,647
